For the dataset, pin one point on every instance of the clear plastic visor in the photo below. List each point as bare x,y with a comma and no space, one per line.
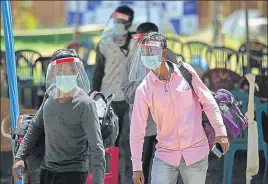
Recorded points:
66,78
116,28
147,56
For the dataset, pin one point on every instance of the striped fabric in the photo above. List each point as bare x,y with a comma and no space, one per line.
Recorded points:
114,59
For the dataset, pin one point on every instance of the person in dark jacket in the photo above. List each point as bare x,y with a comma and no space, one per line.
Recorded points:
112,51
129,88
68,119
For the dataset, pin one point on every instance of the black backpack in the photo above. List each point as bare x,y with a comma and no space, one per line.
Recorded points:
108,123
35,157
107,118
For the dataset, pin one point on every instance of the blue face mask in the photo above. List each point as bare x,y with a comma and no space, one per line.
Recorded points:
120,29
151,62
66,83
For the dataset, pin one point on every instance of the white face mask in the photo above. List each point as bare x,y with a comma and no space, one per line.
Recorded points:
151,62
120,34
66,83
120,29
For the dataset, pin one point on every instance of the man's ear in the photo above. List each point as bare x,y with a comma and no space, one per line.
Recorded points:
164,53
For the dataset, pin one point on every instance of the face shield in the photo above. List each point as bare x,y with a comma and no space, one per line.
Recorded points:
147,56
66,78
116,29
134,41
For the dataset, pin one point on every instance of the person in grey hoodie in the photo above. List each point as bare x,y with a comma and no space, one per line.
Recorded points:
129,88
69,122
111,53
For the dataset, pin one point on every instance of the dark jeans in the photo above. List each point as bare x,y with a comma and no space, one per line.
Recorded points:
48,177
265,177
147,156
121,109
265,136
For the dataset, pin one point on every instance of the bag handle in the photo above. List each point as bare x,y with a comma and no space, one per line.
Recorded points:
109,100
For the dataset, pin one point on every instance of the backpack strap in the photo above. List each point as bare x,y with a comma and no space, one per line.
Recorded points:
109,100
186,75
93,94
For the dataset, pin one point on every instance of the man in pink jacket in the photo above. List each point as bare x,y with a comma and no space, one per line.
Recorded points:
182,143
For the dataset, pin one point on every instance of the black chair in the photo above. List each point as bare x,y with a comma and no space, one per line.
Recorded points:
264,68
25,61
195,49
40,84
261,81
175,44
29,55
221,78
179,57
3,78
43,62
2,57
258,57
223,57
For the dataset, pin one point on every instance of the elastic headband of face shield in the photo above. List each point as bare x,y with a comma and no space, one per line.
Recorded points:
66,77
149,44
120,16
156,36
147,56
138,36
135,39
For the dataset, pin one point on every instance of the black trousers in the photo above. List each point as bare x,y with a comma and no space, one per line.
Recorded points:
48,177
265,136
147,156
121,109
32,177
265,177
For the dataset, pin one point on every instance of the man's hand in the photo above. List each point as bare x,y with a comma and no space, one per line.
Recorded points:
223,141
138,177
18,165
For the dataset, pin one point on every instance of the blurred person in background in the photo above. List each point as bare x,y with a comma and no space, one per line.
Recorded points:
69,122
112,51
182,143
129,88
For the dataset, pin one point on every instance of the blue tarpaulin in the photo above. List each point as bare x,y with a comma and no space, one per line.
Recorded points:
10,64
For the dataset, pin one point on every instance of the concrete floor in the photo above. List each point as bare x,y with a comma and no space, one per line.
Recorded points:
215,171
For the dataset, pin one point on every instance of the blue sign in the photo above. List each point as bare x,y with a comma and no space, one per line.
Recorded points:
189,8
181,15
92,5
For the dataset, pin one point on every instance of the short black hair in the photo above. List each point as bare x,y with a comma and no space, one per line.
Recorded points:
64,53
155,36
127,11
147,27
